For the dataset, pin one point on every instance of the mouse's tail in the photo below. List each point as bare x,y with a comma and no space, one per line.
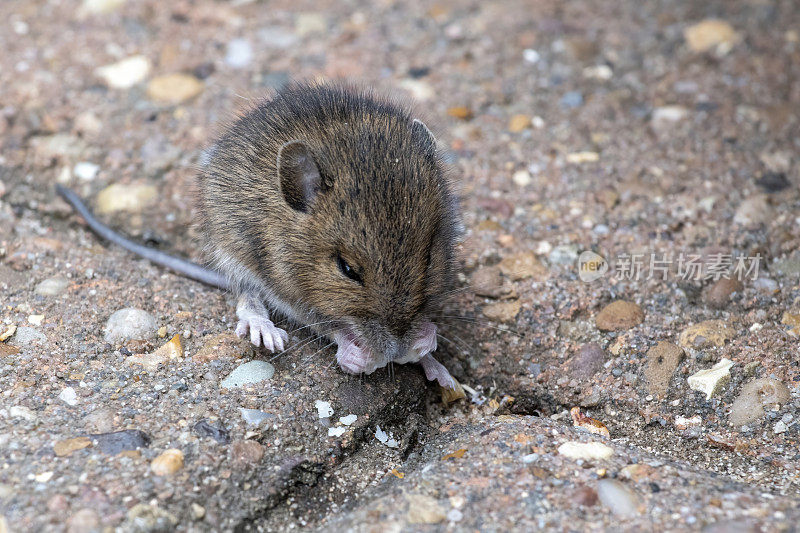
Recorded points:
181,266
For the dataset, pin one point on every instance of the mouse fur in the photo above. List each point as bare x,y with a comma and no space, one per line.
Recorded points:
333,207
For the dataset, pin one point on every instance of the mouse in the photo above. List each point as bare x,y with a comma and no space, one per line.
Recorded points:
331,206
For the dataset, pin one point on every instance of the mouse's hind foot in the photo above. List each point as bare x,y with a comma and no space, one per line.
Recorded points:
254,318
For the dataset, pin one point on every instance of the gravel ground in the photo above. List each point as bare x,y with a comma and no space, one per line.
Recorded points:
649,139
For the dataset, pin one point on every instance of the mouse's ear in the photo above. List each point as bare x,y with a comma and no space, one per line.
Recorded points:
299,175
421,133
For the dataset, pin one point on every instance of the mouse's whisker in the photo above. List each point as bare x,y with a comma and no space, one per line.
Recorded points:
307,359
458,345
507,275
297,346
312,325
480,322
333,362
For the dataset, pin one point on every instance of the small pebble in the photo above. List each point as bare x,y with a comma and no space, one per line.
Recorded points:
349,419
487,281
217,431
126,73
754,211
198,511
100,7
67,447
174,88
711,380
522,178
571,100
324,409
254,417
120,441
239,53
531,56
20,411
754,397
52,286
711,35
705,334
424,510
599,72
308,23
222,346
664,117
121,197
719,294
336,431
662,361
519,123
149,518
85,171
518,267
585,496
587,362
502,311
130,324
454,515
245,452
619,315
563,254
69,396
169,462
588,451
773,182
579,158
620,499
248,373
460,112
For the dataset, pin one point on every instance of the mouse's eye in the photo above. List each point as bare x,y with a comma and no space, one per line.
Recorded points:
347,270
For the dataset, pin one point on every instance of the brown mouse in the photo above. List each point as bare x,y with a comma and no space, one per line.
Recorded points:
333,208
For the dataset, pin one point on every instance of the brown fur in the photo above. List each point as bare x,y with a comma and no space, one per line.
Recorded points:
385,205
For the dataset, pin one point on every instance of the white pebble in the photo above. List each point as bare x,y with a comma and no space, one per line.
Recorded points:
324,409
588,451
349,419
711,380
130,324
85,171
69,396
621,500
522,178
531,56
336,432
239,53
126,73
385,438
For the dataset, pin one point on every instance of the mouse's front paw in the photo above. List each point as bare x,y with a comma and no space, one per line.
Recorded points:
262,331
435,371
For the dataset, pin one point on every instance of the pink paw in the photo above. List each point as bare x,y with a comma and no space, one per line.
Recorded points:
351,357
262,331
435,371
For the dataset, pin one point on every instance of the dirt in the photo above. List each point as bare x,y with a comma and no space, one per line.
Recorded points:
641,153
